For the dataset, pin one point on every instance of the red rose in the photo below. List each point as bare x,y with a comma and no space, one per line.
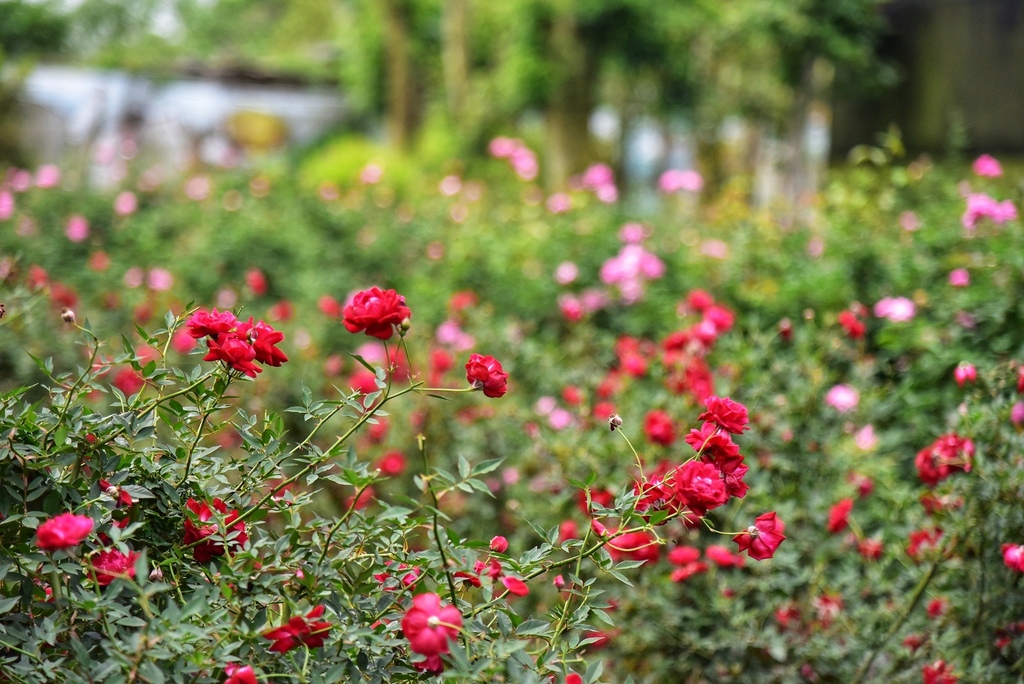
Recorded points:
300,630
923,540
641,546
205,551
235,352
240,675
211,323
485,372
851,325
392,463
699,487
727,414
946,454
682,555
111,564
939,672
263,339
723,557
839,516
499,544
871,549
687,571
428,626
659,428
63,531
515,586
761,539
377,312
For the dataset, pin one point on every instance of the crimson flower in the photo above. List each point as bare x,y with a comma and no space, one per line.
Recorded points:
110,564
640,546
941,458
699,486
377,312
428,626
659,428
298,631
839,516
63,531
240,674
204,551
235,352
761,539
263,339
211,323
515,586
485,372
727,414
939,672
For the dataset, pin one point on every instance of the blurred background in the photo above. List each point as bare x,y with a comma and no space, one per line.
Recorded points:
768,91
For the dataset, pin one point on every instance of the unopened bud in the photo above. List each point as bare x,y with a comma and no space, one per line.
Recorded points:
404,326
156,574
67,315
614,421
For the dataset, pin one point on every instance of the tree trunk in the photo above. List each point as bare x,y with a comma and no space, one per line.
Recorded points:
569,106
402,114
455,56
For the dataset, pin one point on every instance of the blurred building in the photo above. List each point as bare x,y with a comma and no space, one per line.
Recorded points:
961,69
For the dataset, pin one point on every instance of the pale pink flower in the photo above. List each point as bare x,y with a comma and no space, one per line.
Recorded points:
47,176
77,228
560,419
449,333
197,188
608,193
545,405
559,203
909,221
6,205
226,298
21,180
134,277
502,148
126,203
842,398
865,438
986,165
160,279
674,180
895,309
980,205
598,175
633,233
524,163
371,174
716,249
593,299
566,273
450,186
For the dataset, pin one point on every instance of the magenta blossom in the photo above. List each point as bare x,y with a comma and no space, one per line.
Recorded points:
895,309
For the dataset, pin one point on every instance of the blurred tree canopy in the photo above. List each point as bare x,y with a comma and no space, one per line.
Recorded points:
475,66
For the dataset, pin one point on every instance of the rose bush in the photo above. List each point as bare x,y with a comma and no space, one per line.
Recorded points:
897,493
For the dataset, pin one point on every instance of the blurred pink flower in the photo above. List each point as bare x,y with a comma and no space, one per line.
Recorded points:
865,438
981,206
571,307
559,203
371,174
524,163
959,277
449,333
895,309
6,205
1017,413
197,188
633,233
986,165
126,203
545,405
450,185
560,419
607,194
842,398
47,176
566,273
598,175
909,221
134,277
674,180
716,249
21,180
160,279
77,228
502,148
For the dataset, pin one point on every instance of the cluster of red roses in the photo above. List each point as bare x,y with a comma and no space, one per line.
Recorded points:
197,532
238,344
68,530
943,457
379,313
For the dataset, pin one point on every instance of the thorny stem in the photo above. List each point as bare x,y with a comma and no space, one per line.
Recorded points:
422,441
915,598
199,430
